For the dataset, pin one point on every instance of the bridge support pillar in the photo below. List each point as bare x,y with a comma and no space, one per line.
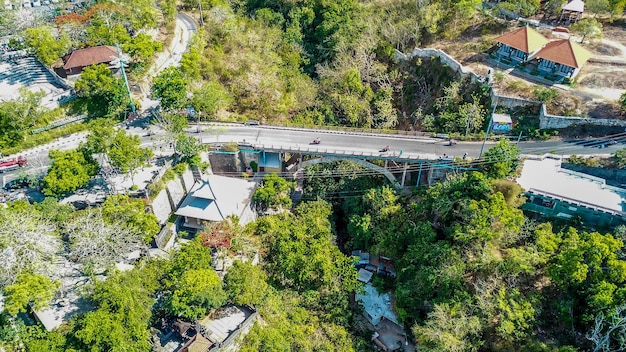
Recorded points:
406,165
386,161
419,175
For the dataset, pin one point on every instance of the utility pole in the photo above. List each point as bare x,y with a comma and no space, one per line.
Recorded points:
493,111
201,19
121,63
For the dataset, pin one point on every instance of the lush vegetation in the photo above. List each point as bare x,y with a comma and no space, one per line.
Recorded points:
475,274
73,169
319,63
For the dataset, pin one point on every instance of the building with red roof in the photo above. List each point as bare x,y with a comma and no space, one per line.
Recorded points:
75,62
562,58
519,45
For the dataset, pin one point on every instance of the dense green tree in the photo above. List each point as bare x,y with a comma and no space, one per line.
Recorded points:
501,160
104,94
291,325
385,115
188,146
210,98
522,8
246,283
622,101
125,152
301,257
100,137
598,7
620,158
168,10
170,87
102,32
18,116
195,293
617,7
554,7
69,171
141,49
132,213
45,45
275,193
121,320
35,289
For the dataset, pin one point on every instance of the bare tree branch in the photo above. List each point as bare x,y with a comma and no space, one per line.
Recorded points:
97,244
28,241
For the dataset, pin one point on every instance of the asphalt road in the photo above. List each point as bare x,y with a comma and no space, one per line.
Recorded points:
342,141
331,141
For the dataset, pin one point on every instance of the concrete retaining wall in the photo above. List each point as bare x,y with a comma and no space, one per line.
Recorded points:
555,121
511,102
546,121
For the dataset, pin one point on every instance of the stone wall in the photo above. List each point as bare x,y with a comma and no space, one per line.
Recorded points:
555,121
443,57
511,102
546,121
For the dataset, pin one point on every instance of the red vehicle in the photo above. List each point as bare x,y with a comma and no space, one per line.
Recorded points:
12,164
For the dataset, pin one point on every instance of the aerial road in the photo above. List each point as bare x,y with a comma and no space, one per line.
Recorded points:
285,137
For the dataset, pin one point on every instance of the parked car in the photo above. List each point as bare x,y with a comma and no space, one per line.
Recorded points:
16,184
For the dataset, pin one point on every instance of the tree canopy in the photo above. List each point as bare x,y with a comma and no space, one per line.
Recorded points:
275,193
69,171
103,93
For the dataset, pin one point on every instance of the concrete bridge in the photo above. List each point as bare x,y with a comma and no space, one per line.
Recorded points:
397,166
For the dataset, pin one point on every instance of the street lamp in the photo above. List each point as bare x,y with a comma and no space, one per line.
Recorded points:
120,61
493,111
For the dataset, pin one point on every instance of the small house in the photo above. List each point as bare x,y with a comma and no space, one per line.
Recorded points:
77,60
562,58
519,45
215,199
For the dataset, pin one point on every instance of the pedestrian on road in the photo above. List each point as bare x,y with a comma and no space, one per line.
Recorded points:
464,156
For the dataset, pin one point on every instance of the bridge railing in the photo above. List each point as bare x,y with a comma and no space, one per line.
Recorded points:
395,154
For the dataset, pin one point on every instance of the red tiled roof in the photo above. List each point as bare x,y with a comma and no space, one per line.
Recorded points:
565,52
90,56
525,39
